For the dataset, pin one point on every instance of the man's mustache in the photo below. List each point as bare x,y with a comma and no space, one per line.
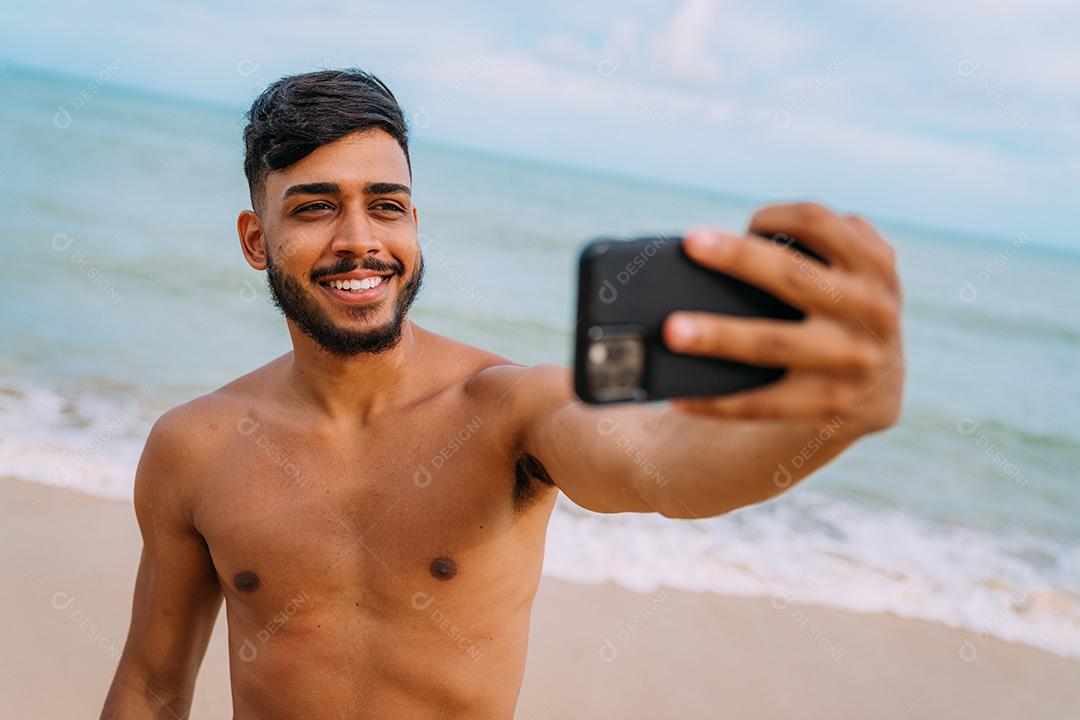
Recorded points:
348,264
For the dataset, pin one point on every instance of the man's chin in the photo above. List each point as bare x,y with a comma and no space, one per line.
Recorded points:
351,338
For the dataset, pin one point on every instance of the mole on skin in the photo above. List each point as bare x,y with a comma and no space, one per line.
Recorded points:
443,568
246,581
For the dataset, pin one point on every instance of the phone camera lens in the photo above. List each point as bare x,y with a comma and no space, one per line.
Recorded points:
598,354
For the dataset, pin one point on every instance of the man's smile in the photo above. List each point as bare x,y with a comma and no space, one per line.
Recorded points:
361,286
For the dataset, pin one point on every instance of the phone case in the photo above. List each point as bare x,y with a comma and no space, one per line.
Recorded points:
626,288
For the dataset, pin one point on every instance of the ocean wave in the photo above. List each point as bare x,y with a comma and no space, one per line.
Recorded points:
811,547
88,442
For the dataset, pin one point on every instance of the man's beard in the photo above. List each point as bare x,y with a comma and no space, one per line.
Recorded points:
298,305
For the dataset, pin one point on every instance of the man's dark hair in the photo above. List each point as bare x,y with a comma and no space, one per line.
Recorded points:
297,114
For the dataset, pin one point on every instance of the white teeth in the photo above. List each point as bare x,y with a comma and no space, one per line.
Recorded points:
355,285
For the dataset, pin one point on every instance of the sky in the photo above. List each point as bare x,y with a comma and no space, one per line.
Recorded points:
960,115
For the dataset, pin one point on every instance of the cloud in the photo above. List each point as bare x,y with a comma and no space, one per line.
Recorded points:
684,47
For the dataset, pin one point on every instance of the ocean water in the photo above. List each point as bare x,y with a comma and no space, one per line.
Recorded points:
124,293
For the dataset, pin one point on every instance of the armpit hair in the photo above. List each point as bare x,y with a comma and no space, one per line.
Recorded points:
530,479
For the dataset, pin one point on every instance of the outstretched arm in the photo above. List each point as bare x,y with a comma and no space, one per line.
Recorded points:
177,595
703,457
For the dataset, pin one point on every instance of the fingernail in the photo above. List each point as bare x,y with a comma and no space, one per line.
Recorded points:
706,241
701,239
684,330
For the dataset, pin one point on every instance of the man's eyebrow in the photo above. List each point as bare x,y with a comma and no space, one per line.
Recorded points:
387,188
318,188
330,188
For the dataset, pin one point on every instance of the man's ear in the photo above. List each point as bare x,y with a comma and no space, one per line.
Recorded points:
415,218
252,239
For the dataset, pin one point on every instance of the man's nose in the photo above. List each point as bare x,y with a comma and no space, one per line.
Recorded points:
356,234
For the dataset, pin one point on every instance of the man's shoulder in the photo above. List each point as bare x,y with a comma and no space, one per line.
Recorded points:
522,380
182,443
194,428
491,378
199,426
523,392
460,362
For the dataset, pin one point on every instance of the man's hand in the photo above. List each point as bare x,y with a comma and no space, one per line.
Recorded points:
702,457
844,358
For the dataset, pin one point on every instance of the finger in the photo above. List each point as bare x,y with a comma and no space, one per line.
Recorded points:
792,276
824,232
883,251
811,345
814,397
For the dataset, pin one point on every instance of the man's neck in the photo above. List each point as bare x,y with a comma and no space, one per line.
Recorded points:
353,388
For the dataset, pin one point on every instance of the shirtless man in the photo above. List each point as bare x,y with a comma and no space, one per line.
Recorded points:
373,505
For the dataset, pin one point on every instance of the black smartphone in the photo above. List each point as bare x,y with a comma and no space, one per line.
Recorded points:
626,288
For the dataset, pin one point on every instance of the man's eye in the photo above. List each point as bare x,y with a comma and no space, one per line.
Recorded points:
316,206
390,206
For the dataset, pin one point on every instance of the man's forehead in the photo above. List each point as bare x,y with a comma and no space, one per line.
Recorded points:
356,162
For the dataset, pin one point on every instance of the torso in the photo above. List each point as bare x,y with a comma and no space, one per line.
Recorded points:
385,575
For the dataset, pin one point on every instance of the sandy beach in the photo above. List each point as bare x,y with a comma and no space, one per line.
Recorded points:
67,564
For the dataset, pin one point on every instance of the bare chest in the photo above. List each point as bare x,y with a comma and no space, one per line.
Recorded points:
432,505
